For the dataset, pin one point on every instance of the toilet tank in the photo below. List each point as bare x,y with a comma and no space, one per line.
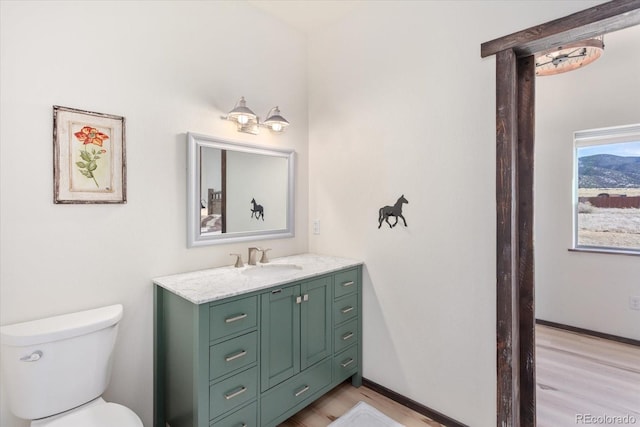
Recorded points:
55,364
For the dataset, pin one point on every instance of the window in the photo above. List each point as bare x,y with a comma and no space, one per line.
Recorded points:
607,189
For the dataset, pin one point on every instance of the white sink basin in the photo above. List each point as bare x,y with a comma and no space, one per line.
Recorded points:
272,270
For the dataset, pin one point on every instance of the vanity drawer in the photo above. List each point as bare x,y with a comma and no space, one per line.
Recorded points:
345,335
247,416
232,317
345,364
345,283
233,392
233,354
290,393
345,309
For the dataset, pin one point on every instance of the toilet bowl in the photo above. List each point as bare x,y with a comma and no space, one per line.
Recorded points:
56,369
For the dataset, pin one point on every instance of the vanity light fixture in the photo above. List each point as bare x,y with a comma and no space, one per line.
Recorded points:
275,121
247,121
242,115
569,57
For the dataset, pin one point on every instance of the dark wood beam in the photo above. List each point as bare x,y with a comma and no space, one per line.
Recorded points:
604,18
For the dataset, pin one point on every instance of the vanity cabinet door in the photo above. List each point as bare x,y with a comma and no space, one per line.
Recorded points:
280,335
315,321
295,329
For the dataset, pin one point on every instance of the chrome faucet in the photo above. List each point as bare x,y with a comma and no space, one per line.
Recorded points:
252,255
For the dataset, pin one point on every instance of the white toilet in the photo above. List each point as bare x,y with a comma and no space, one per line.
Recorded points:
55,370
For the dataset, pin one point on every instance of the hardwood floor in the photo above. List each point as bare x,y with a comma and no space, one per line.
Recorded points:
335,403
580,378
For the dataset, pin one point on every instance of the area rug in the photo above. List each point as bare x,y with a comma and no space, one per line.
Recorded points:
363,415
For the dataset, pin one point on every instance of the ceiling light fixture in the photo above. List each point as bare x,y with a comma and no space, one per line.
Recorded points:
569,57
247,121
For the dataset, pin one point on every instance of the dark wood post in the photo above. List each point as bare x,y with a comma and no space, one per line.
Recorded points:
508,387
525,214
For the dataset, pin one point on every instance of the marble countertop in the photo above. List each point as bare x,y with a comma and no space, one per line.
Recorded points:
204,286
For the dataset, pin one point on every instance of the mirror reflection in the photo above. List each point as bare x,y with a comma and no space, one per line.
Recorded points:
238,192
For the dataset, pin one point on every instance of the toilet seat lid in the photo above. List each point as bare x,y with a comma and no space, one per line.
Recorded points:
104,415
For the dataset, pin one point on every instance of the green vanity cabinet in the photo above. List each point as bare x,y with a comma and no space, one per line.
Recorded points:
257,358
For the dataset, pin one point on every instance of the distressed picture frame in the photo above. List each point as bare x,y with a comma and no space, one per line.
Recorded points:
89,157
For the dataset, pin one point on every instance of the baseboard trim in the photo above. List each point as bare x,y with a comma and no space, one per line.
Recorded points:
596,334
412,404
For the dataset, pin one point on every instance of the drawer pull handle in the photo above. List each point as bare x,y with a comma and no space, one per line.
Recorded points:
236,393
302,391
347,336
347,363
277,291
347,309
347,284
238,355
235,318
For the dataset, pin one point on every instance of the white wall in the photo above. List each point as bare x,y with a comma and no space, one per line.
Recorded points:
169,68
580,289
401,103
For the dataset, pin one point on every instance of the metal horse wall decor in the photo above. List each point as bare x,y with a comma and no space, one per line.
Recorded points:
396,210
257,211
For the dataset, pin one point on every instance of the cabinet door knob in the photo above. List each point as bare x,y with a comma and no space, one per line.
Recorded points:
298,299
305,297
302,391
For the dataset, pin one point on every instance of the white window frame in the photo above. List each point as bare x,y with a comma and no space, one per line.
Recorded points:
602,136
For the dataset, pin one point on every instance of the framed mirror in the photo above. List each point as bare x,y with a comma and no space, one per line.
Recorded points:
237,192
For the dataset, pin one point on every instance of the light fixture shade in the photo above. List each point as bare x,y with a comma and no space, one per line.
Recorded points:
275,121
241,113
569,57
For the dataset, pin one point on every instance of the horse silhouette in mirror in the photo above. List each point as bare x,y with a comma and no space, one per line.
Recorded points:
396,210
257,210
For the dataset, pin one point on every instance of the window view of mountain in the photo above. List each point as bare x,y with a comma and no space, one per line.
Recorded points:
608,171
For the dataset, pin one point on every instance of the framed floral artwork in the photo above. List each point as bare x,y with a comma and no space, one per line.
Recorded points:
89,159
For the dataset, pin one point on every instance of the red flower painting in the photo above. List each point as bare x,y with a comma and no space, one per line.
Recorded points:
90,135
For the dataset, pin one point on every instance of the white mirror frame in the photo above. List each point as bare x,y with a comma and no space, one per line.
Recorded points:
195,237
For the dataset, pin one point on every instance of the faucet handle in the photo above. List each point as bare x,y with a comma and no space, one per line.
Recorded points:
264,258
252,255
239,262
